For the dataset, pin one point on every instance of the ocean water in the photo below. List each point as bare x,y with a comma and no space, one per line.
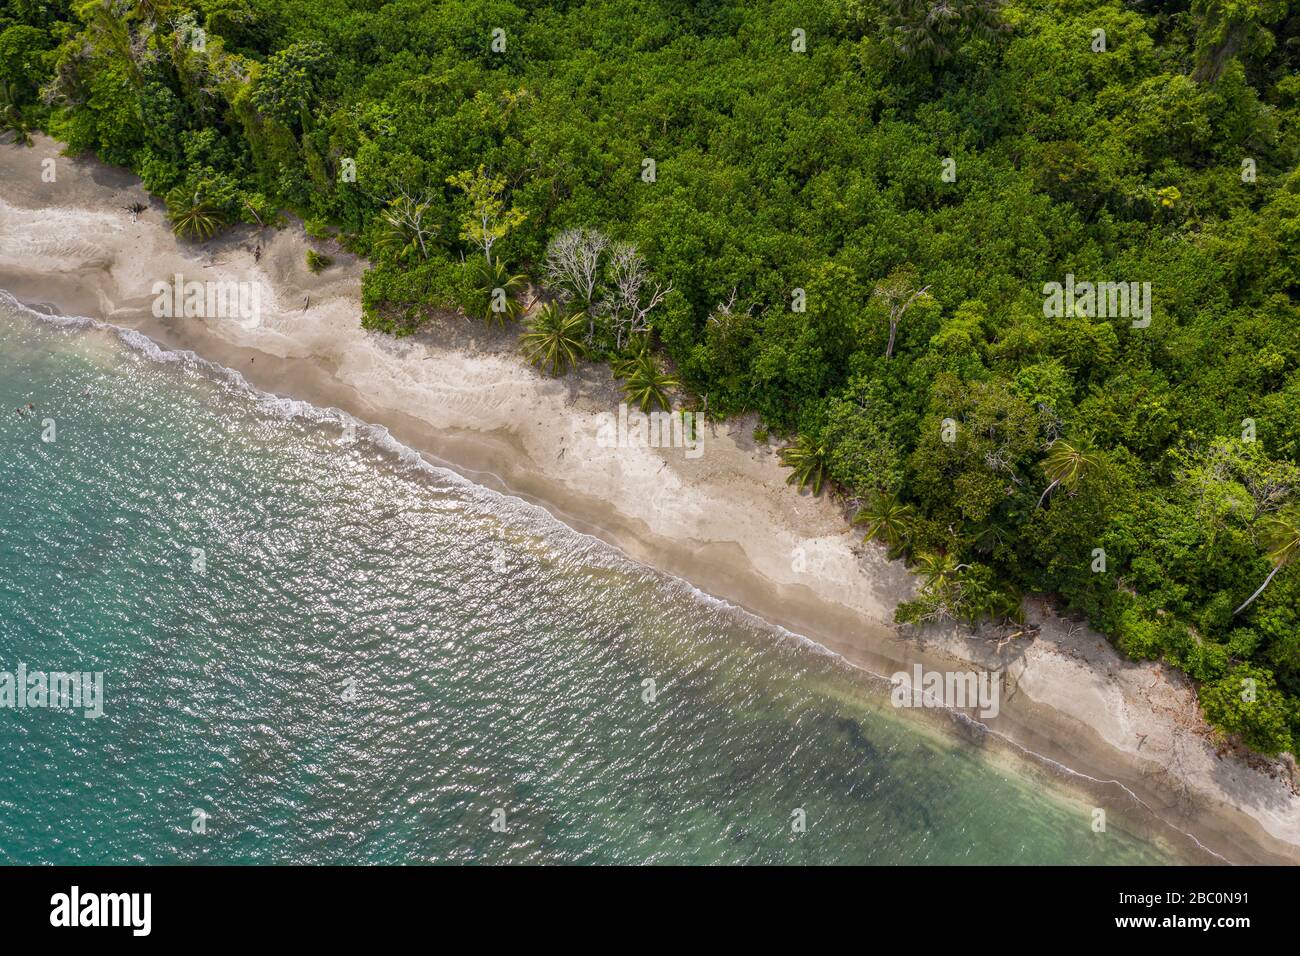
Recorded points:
316,648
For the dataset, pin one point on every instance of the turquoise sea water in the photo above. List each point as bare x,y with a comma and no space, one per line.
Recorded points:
376,655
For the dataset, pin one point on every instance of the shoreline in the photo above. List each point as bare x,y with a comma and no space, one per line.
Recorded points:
726,522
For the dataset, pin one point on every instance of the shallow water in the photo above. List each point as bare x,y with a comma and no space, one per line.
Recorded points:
375,660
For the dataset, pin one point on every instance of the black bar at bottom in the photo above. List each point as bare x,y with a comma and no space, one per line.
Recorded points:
335,905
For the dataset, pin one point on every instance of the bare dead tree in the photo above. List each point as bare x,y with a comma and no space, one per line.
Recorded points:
403,223
572,269
628,305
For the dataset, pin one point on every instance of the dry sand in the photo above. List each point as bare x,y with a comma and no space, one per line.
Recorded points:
1129,735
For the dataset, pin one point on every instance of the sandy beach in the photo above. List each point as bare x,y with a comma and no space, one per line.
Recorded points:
1129,735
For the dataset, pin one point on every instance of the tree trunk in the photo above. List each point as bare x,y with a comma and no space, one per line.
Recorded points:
1048,491
1259,590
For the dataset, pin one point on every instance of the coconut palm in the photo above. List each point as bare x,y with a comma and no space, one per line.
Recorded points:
887,519
808,459
193,216
936,570
1066,463
554,339
1280,537
645,384
493,305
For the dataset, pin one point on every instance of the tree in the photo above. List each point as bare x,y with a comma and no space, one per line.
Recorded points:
496,292
888,520
11,115
193,216
106,21
1246,702
404,226
1280,538
486,218
628,305
808,459
1066,463
931,30
956,591
288,84
645,384
897,293
22,51
573,265
1225,28
860,432
553,339
937,569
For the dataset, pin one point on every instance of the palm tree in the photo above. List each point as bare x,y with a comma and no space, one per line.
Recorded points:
1066,463
808,459
887,519
490,277
936,570
193,216
1280,536
554,339
644,383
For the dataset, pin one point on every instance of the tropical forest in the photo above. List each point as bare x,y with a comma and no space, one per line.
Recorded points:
851,219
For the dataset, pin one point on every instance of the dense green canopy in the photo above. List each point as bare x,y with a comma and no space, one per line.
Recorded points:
840,214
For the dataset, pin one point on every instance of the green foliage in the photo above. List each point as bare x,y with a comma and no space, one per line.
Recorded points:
861,434
496,292
932,32
644,383
973,149
12,117
1066,463
318,262
485,218
1246,702
807,460
405,230
194,215
1279,537
553,340
886,519
287,85
955,591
